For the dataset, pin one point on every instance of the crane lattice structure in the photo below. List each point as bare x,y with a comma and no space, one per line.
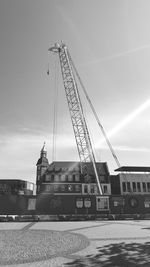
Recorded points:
79,124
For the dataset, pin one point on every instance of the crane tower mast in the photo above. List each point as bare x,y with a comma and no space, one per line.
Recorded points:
80,128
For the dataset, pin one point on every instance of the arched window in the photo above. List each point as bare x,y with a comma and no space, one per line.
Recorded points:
52,177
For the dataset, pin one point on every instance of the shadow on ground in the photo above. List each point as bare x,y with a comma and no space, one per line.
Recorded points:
117,255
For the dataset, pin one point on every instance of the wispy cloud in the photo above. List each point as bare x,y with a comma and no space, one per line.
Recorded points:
19,152
35,140
125,148
117,55
132,149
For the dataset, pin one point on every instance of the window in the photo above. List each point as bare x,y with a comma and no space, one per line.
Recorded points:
76,168
102,178
64,169
116,203
47,177
70,178
138,187
48,187
134,186
147,203
87,178
66,177
73,177
56,187
70,187
148,187
124,186
144,187
56,178
77,188
128,187
102,203
63,187
85,189
52,177
95,189
92,189
43,169
63,178
77,178
105,189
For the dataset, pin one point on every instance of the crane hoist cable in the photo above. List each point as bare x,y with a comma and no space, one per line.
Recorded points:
97,119
55,110
95,114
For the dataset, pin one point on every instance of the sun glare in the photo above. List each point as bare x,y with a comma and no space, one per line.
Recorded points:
125,121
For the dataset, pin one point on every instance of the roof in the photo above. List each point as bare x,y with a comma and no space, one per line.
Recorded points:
75,165
42,160
14,181
133,169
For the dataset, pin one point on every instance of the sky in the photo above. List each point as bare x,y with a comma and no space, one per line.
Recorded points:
109,41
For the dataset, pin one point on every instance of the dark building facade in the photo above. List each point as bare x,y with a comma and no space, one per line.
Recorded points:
66,177
64,187
16,187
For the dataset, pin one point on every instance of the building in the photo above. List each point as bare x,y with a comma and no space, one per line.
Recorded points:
17,197
131,179
16,187
66,177
70,187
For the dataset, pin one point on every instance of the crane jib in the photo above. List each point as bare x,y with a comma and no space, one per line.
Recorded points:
79,124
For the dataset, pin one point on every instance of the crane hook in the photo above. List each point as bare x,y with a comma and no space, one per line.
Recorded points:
48,70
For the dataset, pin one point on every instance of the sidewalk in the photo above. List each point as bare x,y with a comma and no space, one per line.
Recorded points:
111,243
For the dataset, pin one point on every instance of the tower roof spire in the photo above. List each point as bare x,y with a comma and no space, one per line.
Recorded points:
43,156
43,148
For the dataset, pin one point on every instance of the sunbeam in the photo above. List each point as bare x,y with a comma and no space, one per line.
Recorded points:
126,121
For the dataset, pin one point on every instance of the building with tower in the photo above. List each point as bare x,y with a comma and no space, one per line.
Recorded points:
63,187
42,165
61,177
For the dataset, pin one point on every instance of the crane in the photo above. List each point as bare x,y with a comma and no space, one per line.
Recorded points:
81,132
79,124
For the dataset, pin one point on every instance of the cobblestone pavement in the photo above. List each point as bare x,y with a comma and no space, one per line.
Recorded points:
111,243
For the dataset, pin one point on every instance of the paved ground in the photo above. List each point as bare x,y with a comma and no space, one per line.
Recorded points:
111,243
